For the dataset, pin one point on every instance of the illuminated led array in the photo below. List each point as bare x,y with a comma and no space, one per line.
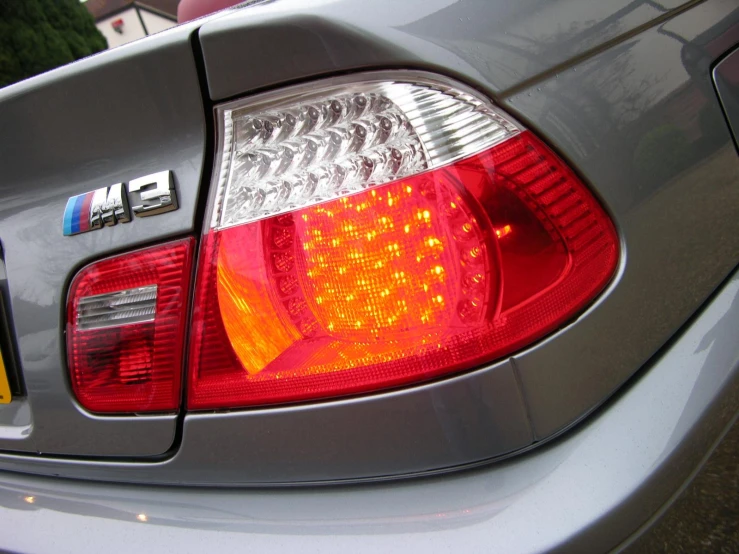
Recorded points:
302,148
375,264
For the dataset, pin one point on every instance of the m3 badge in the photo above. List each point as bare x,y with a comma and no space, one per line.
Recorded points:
151,195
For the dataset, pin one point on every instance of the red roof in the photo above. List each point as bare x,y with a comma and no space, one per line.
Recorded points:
101,9
192,9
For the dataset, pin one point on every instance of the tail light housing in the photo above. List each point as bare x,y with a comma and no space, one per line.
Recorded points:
372,232
126,319
363,233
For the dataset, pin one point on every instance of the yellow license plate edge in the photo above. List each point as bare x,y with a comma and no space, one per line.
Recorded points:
4,385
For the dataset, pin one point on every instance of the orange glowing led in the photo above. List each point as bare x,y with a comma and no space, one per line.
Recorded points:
373,277
503,231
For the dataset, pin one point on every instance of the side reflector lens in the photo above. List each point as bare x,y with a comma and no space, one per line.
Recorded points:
125,329
425,276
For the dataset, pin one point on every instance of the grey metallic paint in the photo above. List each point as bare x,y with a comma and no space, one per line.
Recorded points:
587,492
726,79
138,111
678,223
678,213
466,418
494,44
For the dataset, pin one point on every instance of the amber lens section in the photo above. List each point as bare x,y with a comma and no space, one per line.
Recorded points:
367,273
252,321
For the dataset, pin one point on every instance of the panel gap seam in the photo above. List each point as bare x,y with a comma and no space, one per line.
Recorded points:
524,400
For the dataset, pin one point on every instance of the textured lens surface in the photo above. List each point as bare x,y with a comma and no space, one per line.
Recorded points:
424,276
125,329
293,151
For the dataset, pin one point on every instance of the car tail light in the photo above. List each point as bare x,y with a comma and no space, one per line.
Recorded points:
369,234
125,329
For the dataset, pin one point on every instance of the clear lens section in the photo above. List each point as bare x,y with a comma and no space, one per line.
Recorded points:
308,145
117,308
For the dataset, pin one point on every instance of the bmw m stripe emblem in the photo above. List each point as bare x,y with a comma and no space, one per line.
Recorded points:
151,195
77,214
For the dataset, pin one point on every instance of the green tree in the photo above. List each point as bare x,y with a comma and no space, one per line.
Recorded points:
39,35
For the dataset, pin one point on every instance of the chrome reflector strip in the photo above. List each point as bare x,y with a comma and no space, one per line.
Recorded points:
117,308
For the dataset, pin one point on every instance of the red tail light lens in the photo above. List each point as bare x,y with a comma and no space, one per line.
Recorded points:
125,329
424,276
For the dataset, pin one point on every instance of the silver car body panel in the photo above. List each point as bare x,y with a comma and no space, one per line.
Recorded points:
595,96
587,492
677,206
726,79
496,45
107,119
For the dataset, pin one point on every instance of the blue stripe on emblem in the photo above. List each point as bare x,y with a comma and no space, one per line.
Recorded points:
78,201
69,215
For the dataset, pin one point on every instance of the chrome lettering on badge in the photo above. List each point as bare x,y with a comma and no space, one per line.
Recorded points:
151,195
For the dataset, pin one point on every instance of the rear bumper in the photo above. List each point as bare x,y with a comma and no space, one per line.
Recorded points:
588,491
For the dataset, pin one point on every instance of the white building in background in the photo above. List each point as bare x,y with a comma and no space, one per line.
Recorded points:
122,21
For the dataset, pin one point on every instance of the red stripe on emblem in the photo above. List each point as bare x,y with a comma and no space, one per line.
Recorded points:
85,213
